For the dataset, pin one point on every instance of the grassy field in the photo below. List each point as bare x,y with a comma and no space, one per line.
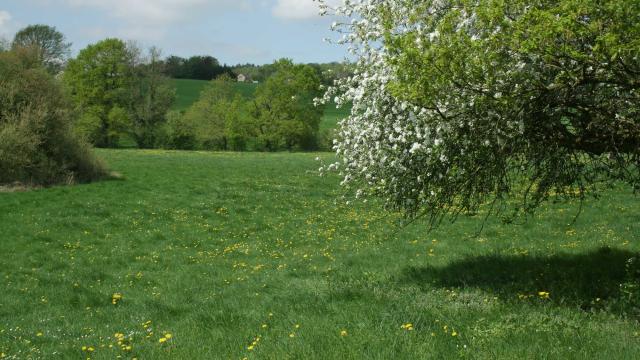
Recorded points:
188,91
232,256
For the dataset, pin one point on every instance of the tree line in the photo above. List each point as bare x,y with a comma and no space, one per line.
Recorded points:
120,92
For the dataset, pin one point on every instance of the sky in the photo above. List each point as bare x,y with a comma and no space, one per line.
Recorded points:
233,31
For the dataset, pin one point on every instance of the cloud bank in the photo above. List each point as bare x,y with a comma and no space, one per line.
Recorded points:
299,9
5,18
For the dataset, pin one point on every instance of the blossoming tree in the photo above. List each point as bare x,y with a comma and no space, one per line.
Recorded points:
464,103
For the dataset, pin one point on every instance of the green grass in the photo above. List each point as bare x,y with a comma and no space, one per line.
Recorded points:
212,247
188,91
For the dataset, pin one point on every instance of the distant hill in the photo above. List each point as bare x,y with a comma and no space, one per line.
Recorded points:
188,91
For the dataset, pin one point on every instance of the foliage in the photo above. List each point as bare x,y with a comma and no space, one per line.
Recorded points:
100,79
328,72
48,43
37,144
280,116
195,67
223,240
459,103
151,97
283,110
216,115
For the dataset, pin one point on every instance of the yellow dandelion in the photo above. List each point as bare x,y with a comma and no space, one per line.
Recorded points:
162,339
454,333
39,334
168,336
115,298
292,335
407,326
543,294
343,333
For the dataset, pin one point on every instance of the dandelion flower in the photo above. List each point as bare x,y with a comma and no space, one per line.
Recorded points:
343,333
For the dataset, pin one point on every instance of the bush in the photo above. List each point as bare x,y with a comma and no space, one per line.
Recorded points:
37,143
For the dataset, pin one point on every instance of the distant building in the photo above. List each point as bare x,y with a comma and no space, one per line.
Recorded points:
242,78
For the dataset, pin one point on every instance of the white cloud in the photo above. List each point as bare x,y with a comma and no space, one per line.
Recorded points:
157,12
5,28
295,9
5,17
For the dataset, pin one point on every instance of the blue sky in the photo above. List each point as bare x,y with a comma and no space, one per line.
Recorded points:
234,31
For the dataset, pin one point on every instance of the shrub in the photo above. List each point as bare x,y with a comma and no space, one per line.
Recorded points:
37,143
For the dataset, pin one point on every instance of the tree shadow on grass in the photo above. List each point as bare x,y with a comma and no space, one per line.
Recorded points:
588,280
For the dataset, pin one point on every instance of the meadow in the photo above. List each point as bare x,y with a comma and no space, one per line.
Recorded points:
194,255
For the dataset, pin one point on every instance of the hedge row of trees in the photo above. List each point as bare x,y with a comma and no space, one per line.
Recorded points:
328,72
195,67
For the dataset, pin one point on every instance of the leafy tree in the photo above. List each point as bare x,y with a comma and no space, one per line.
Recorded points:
283,110
214,114
100,79
37,144
49,44
460,102
151,97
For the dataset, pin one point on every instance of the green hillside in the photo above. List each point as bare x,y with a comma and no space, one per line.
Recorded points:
188,91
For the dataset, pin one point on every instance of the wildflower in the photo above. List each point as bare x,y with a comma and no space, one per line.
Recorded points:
292,335
39,334
264,326
543,294
162,339
115,298
343,333
407,326
454,333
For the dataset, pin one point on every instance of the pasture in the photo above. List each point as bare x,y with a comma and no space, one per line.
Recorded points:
197,255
